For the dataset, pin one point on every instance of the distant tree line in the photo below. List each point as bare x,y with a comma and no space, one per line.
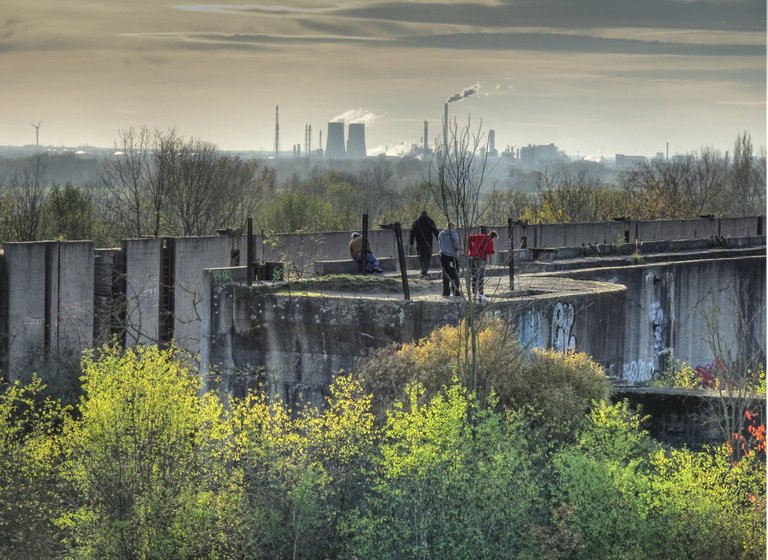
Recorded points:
159,183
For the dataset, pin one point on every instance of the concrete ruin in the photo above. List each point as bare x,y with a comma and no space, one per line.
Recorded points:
632,306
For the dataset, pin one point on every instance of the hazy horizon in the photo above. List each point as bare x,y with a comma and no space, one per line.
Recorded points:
597,77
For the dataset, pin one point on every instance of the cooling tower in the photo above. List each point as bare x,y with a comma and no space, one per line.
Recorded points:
356,141
335,143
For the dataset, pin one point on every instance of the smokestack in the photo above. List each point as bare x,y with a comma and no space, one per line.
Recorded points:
492,140
277,130
445,127
426,136
335,146
356,141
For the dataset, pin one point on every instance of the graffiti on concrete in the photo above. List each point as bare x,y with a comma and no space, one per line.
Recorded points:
659,326
638,371
709,373
221,276
562,323
529,330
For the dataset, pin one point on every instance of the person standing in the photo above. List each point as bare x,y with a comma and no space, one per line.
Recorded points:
422,232
448,241
360,255
480,247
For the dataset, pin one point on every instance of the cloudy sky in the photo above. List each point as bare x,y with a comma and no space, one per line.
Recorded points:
592,76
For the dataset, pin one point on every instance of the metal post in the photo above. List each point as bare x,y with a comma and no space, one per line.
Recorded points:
401,259
249,252
511,255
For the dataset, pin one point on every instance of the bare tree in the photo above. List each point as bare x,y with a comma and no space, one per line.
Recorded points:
747,181
27,194
504,204
677,188
739,358
209,189
567,196
457,172
163,184
456,176
125,178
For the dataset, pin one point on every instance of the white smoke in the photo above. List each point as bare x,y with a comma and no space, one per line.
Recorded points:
466,92
358,115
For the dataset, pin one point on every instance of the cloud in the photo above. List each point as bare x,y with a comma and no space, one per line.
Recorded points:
567,14
757,103
463,94
247,8
9,27
358,115
556,42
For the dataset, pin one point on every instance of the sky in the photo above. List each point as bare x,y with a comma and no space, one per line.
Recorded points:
594,77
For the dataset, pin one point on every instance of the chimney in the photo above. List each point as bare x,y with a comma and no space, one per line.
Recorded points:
335,146
445,127
426,137
356,141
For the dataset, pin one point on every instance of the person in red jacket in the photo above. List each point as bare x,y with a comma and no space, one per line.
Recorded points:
480,246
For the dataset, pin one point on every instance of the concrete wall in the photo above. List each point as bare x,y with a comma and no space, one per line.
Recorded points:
673,307
663,316
26,307
680,416
47,309
302,249
191,256
304,341
47,289
142,290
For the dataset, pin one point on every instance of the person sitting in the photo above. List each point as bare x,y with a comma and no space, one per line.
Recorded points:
359,255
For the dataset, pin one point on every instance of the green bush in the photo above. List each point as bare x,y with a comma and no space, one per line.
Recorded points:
452,481
31,486
146,467
559,386
626,497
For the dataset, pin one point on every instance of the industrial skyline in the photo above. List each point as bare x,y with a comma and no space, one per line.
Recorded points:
597,77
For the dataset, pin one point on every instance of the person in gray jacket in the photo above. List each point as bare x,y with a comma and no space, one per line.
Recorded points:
448,241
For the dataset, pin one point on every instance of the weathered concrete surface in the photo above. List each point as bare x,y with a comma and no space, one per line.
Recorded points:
142,290
303,341
683,416
693,311
48,309
191,256
655,314
301,250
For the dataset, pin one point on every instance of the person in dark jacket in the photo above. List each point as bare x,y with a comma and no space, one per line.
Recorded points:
422,232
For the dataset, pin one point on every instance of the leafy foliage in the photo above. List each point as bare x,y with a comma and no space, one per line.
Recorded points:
148,467
31,457
560,387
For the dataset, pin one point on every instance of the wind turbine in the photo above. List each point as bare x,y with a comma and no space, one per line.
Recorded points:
37,132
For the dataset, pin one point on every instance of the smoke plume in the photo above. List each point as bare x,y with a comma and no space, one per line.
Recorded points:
466,92
358,115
